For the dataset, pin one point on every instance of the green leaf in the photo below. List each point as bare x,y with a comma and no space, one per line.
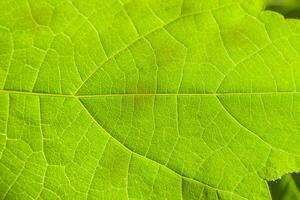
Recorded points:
286,188
140,99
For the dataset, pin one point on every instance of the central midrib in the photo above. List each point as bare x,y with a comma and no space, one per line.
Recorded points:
148,94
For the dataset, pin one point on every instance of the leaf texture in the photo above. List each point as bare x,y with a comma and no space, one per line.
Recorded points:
140,99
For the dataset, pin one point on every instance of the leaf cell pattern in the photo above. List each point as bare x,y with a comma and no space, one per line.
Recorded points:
128,99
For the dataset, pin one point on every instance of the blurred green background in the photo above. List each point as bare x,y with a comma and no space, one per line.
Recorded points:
286,188
289,8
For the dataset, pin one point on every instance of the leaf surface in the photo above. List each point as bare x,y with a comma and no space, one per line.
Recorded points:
138,99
